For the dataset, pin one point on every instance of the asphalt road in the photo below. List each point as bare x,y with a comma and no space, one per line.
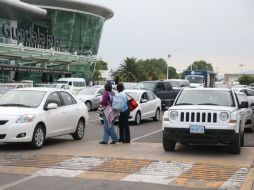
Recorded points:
148,131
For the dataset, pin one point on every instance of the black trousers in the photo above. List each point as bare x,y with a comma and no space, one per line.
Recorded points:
124,129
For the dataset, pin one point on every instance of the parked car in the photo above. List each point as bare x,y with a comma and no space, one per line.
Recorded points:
129,85
149,106
6,87
76,84
162,89
91,96
249,115
179,83
65,87
205,116
34,114
249,93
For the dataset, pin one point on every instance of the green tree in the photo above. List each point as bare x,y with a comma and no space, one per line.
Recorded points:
246,79
201,65
172,74
96,75
129,70
101,65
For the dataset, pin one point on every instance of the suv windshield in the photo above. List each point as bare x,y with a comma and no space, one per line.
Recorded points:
195,79
145,85
206,97
26,98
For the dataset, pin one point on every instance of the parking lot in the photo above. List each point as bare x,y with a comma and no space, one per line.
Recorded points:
85,163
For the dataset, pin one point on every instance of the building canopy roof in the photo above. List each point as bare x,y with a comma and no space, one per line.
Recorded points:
76,5
21,53
18,10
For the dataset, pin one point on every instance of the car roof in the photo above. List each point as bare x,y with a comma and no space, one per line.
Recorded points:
176,80
207,89
42,89
238,92
137,90
95,86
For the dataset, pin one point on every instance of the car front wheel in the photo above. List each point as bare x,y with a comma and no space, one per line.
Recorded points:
80,130
235,147
89,105
157,115
138,118
38,137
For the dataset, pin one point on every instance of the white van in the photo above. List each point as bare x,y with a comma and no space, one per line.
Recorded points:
76,84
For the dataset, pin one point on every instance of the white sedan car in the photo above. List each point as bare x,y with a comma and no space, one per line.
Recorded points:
149,105
34,114
91,96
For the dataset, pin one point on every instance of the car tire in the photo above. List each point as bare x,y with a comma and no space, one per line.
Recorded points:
80,130
137,118
235,147
242,140
168,145
38,137
157,115
88,105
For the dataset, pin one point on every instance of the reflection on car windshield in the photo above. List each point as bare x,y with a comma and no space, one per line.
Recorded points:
4,89
206,97
134,95
145,85
26,98
88,91
195,79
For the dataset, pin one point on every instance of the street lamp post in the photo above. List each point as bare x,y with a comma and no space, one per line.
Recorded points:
168,64
241,65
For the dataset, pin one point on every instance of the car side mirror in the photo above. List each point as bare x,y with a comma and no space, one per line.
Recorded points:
51,106
143,101
98,95
244,105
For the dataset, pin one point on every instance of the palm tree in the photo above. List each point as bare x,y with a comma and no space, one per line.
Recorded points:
129,70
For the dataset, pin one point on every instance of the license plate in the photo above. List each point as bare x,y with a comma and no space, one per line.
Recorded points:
195,129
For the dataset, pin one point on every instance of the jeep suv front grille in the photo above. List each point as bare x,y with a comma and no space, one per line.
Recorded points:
198,117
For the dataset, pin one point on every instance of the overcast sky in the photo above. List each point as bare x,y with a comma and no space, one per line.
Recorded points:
220,32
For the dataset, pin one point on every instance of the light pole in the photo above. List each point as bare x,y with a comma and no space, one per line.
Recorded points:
168,64
241,65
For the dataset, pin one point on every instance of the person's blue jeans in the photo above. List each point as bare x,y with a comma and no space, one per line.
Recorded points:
109,131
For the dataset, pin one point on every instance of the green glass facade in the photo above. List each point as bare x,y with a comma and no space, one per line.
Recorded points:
79,34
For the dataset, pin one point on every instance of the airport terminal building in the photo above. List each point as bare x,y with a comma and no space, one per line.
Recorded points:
42,40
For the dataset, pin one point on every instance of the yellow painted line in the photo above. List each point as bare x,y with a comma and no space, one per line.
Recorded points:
18,170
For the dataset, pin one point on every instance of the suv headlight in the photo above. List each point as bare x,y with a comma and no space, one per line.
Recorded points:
224,116
25,119
173,115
